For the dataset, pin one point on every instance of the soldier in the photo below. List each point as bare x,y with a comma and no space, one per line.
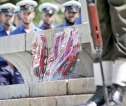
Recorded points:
27,15
8,74
71,13
112,19
78,21
17,19
7,18
48,15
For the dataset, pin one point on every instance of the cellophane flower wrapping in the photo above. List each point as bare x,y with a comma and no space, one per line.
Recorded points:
39,57
63,55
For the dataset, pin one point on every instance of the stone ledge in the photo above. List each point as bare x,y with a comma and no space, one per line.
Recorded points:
14,91
43,89
13,44
47,101
69,100
46,89
81,86
72,100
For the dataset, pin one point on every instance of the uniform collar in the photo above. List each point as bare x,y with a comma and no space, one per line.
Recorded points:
22,28
65,24
43,28
34,28
13,28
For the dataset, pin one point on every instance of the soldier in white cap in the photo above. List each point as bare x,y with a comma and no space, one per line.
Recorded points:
79,19
7,18
8,73
48,15
71,13
17,19
27,15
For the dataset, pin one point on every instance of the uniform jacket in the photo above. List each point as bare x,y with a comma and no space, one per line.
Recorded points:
21,29
43,28
7,75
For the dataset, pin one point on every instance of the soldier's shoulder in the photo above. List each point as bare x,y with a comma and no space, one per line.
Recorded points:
59,26
16,31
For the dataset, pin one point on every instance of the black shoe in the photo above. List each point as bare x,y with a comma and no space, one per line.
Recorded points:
97,99
116,96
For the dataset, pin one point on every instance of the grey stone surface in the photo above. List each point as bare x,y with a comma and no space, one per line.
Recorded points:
13,44
15,102
72,100
45,101
68,100
29,38
81,86
14,91
75,100
55,88
84,11
47,89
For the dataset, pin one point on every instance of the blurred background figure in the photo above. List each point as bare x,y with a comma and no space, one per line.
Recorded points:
71,13
48,15
27,15
8,73
17,19
7,18
0,17
40,23
79,19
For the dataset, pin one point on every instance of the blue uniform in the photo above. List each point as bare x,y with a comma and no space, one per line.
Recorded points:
79,20
3,30
7,75
43,28
21,29
64,24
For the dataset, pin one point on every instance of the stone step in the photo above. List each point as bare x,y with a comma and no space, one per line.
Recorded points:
47,101
69,100
46,89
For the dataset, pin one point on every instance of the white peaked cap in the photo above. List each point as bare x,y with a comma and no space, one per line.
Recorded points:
48,5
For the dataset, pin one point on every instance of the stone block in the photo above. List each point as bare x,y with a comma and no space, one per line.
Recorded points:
72,100
45,89
44,101
12,44
81,86
14,91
